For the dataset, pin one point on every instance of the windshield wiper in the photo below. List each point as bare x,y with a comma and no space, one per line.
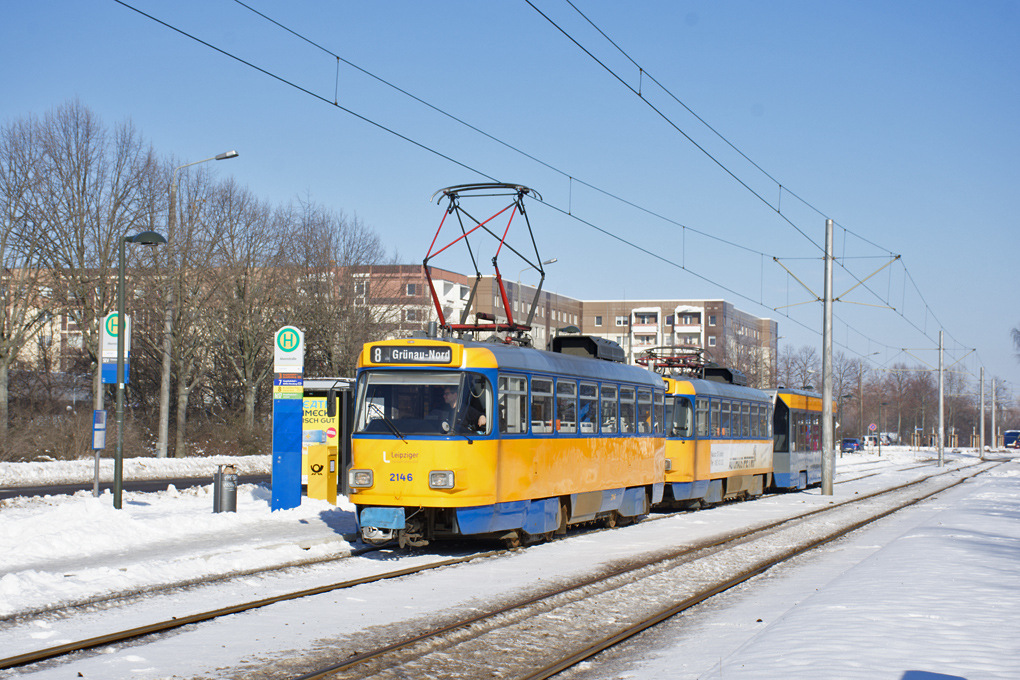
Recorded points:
448,430
389,423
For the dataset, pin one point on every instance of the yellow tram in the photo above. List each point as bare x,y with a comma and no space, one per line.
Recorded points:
488,439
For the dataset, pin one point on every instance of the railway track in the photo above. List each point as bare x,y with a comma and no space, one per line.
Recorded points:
566,626
663,567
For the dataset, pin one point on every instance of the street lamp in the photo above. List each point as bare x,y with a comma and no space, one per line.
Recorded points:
164,384
517,292
804,379
880,425
549,261
145,238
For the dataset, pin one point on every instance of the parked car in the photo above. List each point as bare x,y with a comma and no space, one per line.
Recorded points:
851,445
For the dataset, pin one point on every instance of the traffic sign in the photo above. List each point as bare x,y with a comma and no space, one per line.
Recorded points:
873,427
289,350
108,349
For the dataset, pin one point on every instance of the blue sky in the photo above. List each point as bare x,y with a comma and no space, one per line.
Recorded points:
896,120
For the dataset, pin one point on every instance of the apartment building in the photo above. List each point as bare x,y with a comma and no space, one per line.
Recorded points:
728,336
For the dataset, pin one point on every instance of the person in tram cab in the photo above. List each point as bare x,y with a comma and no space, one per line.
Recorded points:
456,417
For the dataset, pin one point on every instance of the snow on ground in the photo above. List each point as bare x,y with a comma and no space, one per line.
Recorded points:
929,593
84,471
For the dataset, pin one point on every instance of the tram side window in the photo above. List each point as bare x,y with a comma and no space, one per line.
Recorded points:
541,406
796,432
716,418
745,420
588,413
725,423
609,415
566,406
513,404
702,417
644,411
657,411
754,421
627,413
816,433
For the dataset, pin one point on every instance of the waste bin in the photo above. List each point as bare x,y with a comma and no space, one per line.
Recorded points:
322,472
225,489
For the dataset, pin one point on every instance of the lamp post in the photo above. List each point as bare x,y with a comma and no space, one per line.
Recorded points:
145,238
164,384
880,425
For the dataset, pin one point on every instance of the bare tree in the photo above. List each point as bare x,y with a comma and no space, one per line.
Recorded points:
799,368
26,304
188,287
250,253
330,253
90,197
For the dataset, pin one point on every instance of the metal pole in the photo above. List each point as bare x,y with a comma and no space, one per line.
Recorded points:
942,426
981,439
995,439
164,383
828,458
860,399
880,405
118,460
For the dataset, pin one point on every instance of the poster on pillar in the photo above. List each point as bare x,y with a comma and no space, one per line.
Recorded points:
108,349
288,412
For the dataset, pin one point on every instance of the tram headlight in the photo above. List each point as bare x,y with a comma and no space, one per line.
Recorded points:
360,479
441,479
669,464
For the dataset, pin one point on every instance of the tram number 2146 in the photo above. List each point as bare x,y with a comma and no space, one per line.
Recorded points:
400,477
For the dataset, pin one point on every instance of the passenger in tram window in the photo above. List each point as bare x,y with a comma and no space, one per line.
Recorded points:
458,417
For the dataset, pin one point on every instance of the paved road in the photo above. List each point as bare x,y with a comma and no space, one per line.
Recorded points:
144,485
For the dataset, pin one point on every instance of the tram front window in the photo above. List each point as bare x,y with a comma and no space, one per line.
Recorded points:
423,403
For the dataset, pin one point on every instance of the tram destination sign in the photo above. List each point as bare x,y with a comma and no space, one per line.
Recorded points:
412,355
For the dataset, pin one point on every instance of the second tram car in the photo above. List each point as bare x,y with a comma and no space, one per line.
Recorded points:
718,441
461,438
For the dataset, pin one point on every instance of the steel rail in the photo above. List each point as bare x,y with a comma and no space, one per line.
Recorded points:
659,559
671,611
178,622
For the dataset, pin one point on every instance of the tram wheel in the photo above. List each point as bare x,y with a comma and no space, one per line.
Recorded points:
512,541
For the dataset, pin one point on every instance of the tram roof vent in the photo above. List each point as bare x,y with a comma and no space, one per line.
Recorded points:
588,346
725,375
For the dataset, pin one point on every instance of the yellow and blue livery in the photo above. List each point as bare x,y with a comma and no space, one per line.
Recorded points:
487,439
797,452
718,441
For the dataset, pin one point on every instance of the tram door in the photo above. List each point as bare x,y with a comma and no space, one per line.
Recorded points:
328,418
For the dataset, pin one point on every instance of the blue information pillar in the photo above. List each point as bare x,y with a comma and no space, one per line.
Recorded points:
288,393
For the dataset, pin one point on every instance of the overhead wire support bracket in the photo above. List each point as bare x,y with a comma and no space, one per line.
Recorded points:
838,298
